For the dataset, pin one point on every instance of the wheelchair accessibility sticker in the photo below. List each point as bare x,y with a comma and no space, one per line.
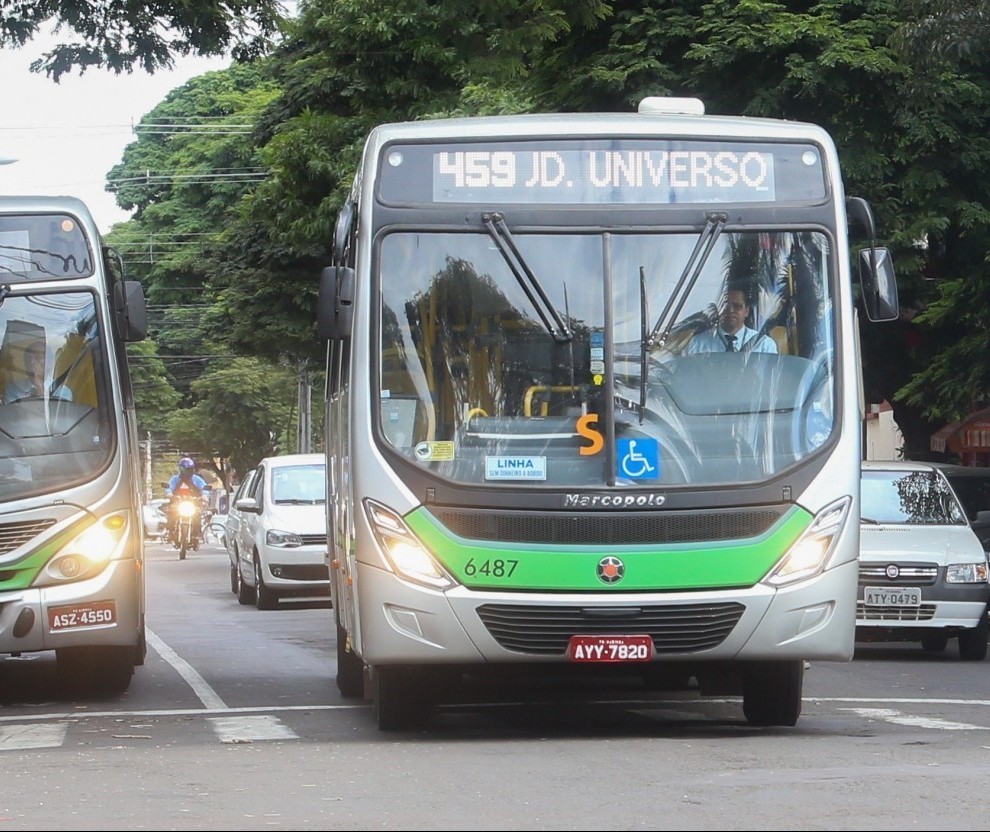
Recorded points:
638,459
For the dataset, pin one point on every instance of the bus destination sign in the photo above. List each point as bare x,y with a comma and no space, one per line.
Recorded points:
581,172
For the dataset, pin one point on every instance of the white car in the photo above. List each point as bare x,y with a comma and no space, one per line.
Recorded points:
155,521
282,538
923,574
232,530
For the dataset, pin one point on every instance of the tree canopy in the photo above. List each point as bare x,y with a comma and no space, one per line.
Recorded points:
122,36
913,137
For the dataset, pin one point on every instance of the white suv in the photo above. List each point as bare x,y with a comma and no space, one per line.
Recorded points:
282,539
922,570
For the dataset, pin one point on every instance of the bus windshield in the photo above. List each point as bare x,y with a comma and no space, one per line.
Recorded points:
696,369
55,422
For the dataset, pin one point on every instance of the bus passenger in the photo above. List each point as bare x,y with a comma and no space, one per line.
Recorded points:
731,334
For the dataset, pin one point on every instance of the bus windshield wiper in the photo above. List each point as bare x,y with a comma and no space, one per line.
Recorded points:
714,223
501,236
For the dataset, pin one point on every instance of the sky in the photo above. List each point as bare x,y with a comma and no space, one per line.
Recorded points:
66,137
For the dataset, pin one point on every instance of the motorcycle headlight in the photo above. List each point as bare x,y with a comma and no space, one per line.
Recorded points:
187,509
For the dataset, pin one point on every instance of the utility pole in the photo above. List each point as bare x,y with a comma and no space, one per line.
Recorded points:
147,470
304,430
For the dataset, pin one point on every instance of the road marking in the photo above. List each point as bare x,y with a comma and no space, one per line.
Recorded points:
251,728
206,694
898,718
19,737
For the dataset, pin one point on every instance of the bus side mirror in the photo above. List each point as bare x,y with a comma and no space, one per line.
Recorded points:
335,303
130,310
859,216
879,285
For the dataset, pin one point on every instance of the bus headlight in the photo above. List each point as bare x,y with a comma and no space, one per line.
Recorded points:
402,549
810,553
88,553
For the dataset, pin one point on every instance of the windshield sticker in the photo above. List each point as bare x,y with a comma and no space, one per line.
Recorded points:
434,451
638,459
592,434
515,467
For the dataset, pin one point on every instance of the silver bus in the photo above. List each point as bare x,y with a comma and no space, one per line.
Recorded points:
72,572
594,406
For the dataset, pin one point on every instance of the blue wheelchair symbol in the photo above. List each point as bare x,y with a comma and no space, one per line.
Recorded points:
638,459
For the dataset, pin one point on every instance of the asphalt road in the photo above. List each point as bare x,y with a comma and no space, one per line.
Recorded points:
235,722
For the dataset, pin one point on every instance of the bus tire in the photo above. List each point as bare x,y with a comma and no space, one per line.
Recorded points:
96,671
772,692
350,668
399,700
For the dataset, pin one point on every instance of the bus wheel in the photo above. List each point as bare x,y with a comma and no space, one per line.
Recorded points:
399,698
350,669
772,692
96,671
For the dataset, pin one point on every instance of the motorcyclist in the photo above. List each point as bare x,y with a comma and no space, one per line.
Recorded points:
186,483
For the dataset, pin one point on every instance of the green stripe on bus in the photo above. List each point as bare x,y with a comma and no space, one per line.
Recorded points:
656,567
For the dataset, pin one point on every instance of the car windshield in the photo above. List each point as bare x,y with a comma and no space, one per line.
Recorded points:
299,485
919,498
720,366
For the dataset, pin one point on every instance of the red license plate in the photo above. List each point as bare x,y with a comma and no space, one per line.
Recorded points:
610,649
94,614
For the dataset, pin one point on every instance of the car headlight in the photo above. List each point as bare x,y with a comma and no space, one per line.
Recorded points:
810,552
283,540
402,549
966,573
89,552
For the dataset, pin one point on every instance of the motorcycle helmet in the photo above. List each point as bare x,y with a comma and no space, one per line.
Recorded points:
186,464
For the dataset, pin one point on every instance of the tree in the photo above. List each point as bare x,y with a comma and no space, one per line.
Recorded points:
244,411
941,30
120,36
154,396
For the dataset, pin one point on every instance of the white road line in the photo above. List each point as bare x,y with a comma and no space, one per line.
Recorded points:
897,718
206,694
251,728
19,737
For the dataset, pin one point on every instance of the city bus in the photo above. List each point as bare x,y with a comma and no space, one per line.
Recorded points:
540,460
72,571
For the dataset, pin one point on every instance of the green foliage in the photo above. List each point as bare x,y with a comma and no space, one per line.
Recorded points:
912,133
154,396
245,410
124,36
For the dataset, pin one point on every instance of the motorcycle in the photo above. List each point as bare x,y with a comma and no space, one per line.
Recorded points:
186,525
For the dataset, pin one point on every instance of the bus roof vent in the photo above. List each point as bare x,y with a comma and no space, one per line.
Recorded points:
659,106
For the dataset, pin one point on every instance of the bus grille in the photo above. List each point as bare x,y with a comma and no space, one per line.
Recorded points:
13,535
598,528
546,630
